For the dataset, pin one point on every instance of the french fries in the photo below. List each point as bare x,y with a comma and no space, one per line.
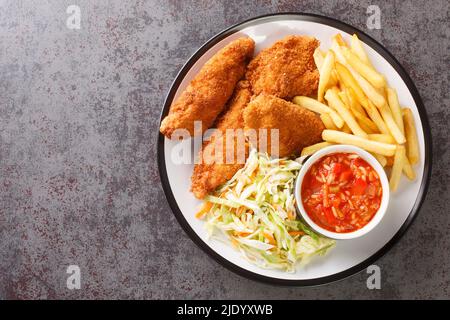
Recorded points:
389,161
354,104
325,74
358,50
380,137
318,60
408,170
381,159
328,122
363,119
397,168
395,108
334,136
376,79
338,51
371,92
343,96
340,40
366,129
344,69
346,77
315,147
412,144
392,126
311,104
346,128
335,89
335,102
373,113
316,106
362,83
357,107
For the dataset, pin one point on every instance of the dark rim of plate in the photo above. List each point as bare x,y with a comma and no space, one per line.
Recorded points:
386,55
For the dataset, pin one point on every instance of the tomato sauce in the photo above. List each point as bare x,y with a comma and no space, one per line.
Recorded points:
341,192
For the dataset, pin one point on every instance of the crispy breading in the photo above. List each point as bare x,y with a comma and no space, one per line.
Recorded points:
206,95
214,169
297,126
286,69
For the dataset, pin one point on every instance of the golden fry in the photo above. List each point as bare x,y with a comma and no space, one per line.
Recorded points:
335,102
412,144
328,122
395,108
346,129
340,40
366,129
354,104
316,106
376,79
311,104
315,147
381,137
384,149
346,77
397,168
338,51
375,116
408,170
390,161
381,159
353,79
370,91
343,96
325,74
365,120
358,50
392,126
318,59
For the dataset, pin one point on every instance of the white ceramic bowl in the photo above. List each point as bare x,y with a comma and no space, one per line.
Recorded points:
370,160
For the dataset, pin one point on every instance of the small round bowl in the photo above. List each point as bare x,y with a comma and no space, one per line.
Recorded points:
370,160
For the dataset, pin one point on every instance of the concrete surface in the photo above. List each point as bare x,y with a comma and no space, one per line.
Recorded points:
79,112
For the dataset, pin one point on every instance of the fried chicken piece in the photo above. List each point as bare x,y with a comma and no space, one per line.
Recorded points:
286,69
214,169
206,95
298,127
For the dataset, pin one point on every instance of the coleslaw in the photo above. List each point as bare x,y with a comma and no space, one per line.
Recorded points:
255,210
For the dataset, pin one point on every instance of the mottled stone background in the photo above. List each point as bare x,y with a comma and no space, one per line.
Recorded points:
79,112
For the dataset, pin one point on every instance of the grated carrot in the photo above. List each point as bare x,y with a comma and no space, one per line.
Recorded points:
296,233
204,210
240,211
270,238
242,234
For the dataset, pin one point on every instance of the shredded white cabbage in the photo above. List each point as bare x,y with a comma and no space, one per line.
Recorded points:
256,211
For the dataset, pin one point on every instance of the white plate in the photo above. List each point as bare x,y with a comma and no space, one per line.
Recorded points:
349,256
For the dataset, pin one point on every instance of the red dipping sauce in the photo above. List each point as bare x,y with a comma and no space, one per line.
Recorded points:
341,192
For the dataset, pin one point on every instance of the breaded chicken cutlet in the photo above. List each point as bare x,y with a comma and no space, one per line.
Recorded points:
214,169
285,69
298,127
206,95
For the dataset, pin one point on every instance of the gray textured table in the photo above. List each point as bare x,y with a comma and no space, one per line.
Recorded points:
79,112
